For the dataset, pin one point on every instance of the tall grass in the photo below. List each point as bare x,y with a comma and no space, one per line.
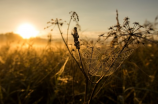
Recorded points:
92,71
29,77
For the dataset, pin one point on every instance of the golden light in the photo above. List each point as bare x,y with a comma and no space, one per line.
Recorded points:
27,31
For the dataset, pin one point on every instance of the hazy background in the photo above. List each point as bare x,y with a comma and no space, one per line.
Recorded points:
95,15
40,70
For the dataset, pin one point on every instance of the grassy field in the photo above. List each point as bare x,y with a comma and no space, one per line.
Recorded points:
121,70
28,76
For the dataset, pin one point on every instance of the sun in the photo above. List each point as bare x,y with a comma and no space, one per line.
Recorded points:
27,31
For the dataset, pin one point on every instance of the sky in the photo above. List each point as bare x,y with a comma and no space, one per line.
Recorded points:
95,16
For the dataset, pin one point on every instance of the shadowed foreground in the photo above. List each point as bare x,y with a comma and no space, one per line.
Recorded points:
28,76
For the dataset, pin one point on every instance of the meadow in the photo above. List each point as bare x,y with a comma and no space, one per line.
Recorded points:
28,76
51,74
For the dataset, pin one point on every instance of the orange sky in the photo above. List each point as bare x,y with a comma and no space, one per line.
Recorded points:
95,15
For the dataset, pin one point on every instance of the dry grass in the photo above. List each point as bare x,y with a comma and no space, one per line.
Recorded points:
29,77
92,71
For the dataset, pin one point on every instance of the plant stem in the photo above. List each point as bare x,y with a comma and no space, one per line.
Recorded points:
86,91
123,86
72,55
101,78
73,77
86,80
66,44
68,29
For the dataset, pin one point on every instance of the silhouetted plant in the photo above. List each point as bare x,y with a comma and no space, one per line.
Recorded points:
100,58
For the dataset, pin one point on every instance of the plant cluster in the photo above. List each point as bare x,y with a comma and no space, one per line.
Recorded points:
97,60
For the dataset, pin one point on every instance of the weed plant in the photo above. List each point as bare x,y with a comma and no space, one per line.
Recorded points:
92,61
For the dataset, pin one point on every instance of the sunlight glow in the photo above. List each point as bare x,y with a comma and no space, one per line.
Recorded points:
27,31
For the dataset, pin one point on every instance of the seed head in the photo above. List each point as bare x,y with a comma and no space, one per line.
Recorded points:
126,19
110,28
76,36
141,26
151,29
136,23
61,24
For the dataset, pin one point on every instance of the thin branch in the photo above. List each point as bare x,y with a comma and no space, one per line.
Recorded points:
118,24
68,29
72,55
101,78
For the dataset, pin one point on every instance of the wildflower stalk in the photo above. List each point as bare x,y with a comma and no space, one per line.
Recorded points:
101,78
66,43
123,85
73,77
77,44
86,79
118,24
86,87
131,34
68,29
81,68
122,30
